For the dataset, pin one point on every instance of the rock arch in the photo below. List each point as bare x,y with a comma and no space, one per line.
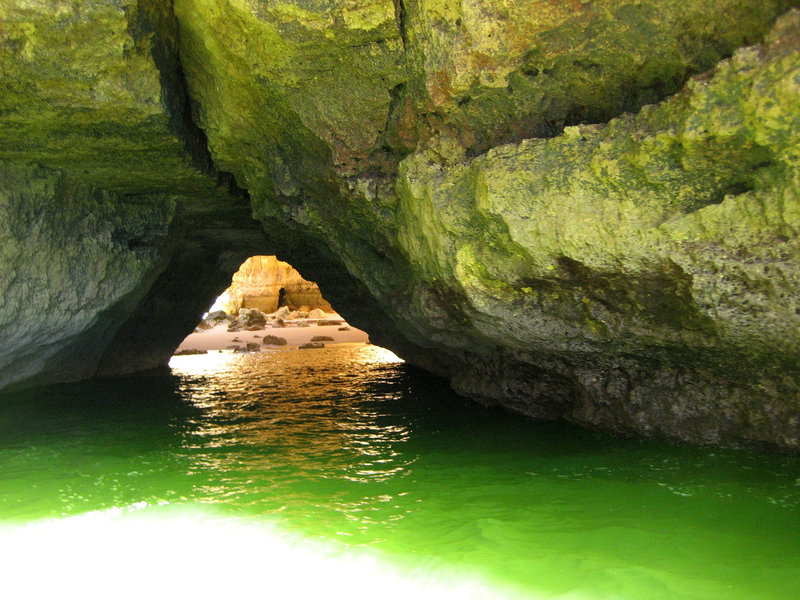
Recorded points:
590,216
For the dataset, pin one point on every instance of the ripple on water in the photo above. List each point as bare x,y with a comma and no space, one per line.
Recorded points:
349,447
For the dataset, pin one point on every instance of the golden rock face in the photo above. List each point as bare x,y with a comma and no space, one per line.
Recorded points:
266,283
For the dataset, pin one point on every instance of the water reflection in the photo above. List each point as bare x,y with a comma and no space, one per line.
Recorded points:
315,417
350,446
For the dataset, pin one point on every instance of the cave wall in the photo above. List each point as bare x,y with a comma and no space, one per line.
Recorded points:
208,248
625,260
582,210
118,230
106,188
74,261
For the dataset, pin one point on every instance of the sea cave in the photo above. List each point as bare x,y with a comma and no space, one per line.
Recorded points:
569,229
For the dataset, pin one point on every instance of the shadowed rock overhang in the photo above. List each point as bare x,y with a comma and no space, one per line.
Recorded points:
578,210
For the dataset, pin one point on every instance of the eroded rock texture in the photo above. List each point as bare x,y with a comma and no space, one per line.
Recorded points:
108,199
577,209
73,259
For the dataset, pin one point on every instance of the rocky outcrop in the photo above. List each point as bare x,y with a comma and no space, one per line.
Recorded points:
644,266
108,198
578,210
555,276
266,283
73,259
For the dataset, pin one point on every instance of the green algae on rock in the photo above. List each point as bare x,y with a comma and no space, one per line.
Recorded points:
557,205
487,72
81,92
554,275
669,235
103,181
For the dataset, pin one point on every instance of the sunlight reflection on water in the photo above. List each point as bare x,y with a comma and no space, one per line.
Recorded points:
203,364
182,552
218,361
315,411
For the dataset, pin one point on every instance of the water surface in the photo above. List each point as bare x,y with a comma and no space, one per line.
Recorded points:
342,472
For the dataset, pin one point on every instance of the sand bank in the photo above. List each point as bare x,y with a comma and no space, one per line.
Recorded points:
296,332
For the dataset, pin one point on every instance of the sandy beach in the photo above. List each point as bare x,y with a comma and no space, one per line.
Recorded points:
296,332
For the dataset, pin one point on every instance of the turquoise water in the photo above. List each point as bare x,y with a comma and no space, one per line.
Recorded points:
343,473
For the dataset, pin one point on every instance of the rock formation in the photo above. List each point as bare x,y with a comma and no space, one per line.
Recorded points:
266,283
578,209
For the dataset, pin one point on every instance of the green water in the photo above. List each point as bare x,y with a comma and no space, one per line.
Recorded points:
343,473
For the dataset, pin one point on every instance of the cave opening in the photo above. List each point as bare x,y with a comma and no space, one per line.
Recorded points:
269,306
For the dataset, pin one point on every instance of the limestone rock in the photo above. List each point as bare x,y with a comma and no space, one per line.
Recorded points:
94,89
66,254
326,322
563,274
282,313
249,319
679,249
268,284
190,352
216,318
105,186
311,345
578,210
